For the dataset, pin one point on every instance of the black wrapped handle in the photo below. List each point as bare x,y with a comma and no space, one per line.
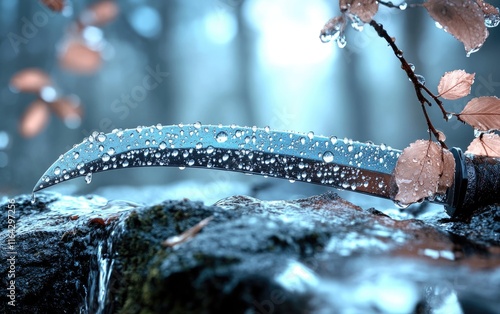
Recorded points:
477,183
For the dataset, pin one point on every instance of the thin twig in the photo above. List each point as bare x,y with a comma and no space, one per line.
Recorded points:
413,78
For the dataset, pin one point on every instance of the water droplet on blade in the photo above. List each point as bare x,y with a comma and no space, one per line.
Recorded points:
88,178
101,137
328,156
221,137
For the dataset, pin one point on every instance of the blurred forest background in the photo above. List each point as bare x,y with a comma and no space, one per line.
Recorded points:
247,62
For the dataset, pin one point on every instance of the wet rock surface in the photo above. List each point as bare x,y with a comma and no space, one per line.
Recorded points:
320,254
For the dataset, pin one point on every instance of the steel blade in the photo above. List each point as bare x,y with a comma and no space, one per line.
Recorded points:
339,163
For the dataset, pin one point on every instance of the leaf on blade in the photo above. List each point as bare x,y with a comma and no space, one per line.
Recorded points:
30,80
486,145
483,113
54,5
464,19
188,234
455,84
34,119
423,170
447,173
363,9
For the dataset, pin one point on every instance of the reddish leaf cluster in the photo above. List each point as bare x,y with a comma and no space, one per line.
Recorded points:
78,54
37,115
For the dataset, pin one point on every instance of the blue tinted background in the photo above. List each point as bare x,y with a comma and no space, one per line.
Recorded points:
252,62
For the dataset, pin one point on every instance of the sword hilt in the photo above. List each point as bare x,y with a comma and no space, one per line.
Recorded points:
477,183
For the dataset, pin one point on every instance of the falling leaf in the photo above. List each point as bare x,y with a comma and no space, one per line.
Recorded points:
483,113
188,234
30,80
54,5
34,119
422,170
455,84
77,57
100,13
464,19
363,9
486,145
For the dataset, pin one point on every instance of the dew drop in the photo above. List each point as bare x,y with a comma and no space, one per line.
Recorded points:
412,66
310,135
491,20
76,155
162,145
125,163
225,157
197,125
333,139
477,133
57,171
420,79
350,148
88,178
449,116
175,153
341,41
105,157
401,205
328,156
221,137
190,162
210,149
199,145
111,151
325,38
403,6
101,137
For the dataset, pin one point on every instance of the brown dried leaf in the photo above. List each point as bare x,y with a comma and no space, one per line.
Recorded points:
483,113
54,5
66,108
364,9
486,145
420,171
100,13
487,8
77,57
30,80
188,234
34,119
464,19
455,84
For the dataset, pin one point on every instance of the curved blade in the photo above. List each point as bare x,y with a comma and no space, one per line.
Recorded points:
339,163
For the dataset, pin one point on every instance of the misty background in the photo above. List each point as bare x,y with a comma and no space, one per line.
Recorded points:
245,62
